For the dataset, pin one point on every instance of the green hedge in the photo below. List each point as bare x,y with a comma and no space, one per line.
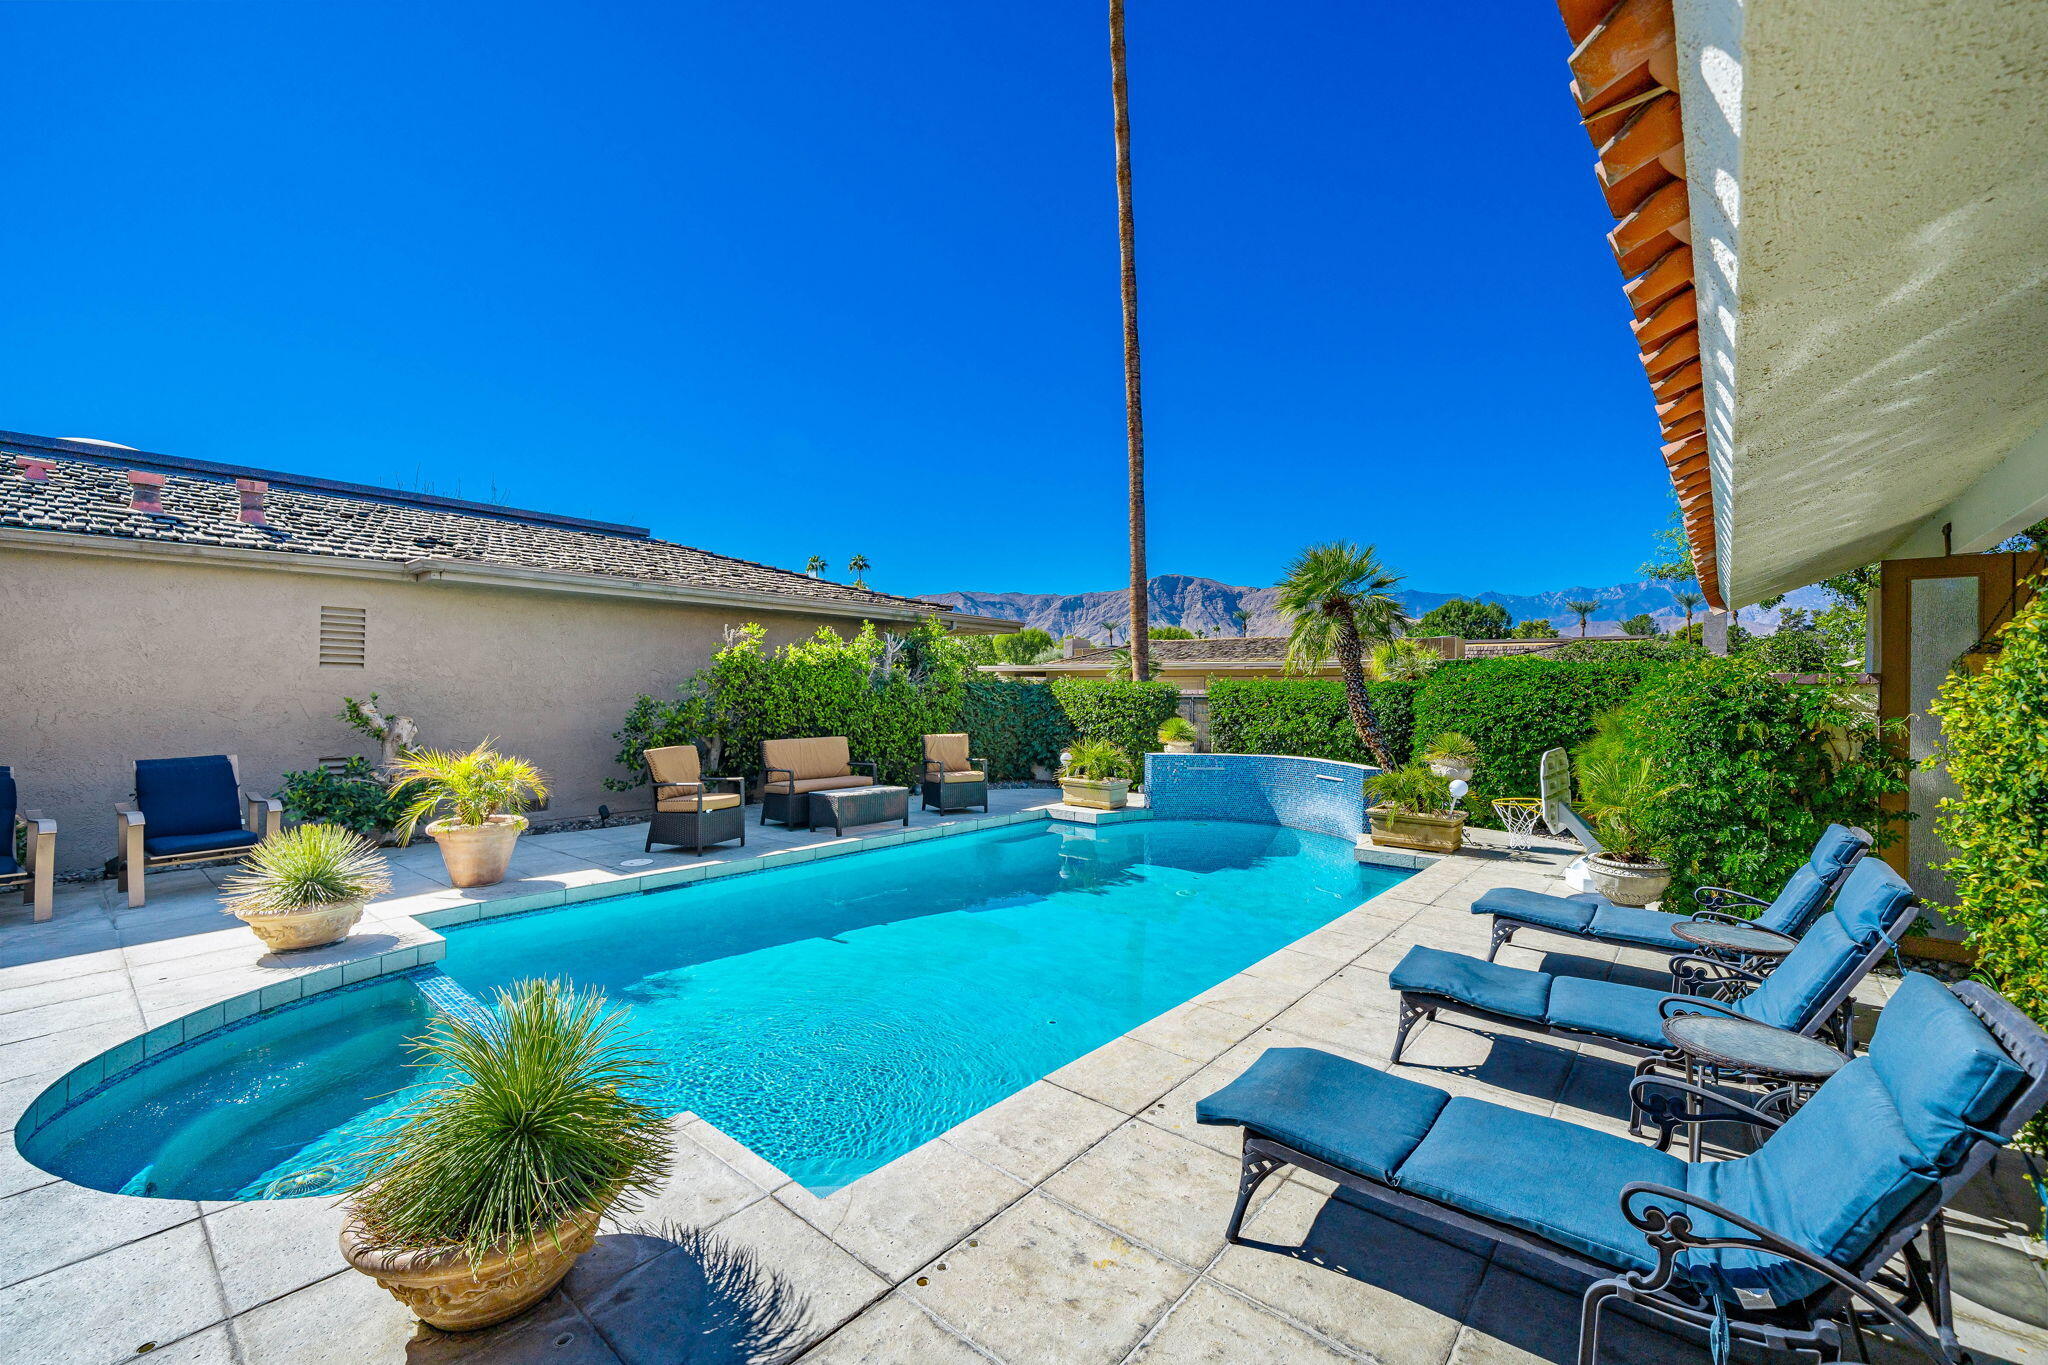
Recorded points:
1015,726
1305,716
1514,708
1753,770
1124,713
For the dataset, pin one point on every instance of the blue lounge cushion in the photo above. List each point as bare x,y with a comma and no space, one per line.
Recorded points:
1946,1073
1566,914
1641,928
1869,901
1608,1008
174,845
1830,1181
9,798
1512,992
1557,1179
8,866
1343,1112
1793,995
1805,894
187,795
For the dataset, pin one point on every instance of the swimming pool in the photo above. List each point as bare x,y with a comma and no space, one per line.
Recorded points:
831,1016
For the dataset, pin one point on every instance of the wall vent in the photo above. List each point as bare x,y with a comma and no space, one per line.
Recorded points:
343,631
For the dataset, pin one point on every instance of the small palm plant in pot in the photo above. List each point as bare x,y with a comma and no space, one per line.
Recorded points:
1619,789
1412,809
1178,734
1095,774
1451,756
306,886
477,1199
478,797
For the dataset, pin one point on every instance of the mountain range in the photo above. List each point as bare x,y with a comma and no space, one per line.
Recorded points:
1203,604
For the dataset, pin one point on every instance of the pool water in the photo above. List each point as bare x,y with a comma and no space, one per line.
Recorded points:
831,1016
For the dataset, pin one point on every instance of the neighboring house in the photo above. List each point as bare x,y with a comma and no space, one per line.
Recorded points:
154,607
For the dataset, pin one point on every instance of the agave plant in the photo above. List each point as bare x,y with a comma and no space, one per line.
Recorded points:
1452,747
531,1126
1177,730
470,787
305,868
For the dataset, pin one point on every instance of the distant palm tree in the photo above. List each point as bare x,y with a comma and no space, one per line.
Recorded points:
1134,408
858,566
815,565
1337,599
1244,622
1109,630
1582,610
1688,601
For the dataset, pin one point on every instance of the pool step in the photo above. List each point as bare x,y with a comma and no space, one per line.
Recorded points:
448,995
1087,815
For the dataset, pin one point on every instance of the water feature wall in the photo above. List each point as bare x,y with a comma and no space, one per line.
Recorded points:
1321,795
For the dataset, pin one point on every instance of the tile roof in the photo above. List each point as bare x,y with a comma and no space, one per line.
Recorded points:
90,495
1625,81
1181,653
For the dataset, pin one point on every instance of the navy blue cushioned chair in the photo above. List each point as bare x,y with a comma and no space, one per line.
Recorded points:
37,877
1808,993
1779,1248
187,811
1586,915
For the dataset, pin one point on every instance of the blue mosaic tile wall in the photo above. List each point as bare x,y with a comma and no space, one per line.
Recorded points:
1301,793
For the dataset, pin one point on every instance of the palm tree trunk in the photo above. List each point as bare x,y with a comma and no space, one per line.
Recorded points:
1351,663
1134,414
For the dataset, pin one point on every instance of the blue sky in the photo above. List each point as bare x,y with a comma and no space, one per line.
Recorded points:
828,278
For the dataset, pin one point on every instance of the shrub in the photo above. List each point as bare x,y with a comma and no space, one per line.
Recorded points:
530,1127
1995,747
1618,788
1305,717
469,787
1465,619
352,798
1752,770
1015,726
1414,789
1451,747
1642,625
1097,760
1124,713
306,867
1535,628
1516,707
1178,730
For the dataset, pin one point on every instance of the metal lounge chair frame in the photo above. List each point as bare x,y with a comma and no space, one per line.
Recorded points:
1713,907
1861,1293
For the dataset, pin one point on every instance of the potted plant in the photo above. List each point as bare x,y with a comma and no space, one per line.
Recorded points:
1093,776
477,1199
1451,756
306,886
1618,788
1412,809
482,793
1178,734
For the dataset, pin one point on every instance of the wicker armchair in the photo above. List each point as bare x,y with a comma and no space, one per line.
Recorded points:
953,779
686,812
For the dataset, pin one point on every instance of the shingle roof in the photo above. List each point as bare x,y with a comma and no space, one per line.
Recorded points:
91,496
1223,650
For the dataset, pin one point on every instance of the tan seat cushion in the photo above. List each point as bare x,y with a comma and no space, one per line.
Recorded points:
678,763
825,756
817,784
714,801
969,775
948,751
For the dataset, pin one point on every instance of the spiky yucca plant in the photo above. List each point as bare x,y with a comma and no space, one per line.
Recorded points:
531,1127
305,868
471,787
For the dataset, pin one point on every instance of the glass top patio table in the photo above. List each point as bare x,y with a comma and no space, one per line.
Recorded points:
1745,939
1746,1045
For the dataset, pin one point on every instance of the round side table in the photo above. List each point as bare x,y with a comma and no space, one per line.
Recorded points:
1714,1044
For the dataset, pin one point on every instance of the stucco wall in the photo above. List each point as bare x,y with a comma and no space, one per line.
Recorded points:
105,660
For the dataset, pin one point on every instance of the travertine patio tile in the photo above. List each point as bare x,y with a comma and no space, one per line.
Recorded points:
81,984
266,1248
903,1215
1035,1131
1194,1031
1334,1023
1349,1274
700,1189
1043,1284
158,1289
345,1319
61,1051
1164,1191
60,967
1213,1326
18,1173
896,1332
1292,968
54,1225
1125,1074
212,1346
830,1283
62,1015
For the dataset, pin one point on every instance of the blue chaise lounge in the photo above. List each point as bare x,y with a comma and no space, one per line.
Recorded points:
1586,915
1808,993
1776,1249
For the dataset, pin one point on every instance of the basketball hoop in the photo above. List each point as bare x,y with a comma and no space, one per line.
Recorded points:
1518,815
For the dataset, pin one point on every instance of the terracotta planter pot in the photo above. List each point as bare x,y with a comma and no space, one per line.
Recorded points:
1104,794
445,1291
1424,833
287,930
477,855
1628,883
